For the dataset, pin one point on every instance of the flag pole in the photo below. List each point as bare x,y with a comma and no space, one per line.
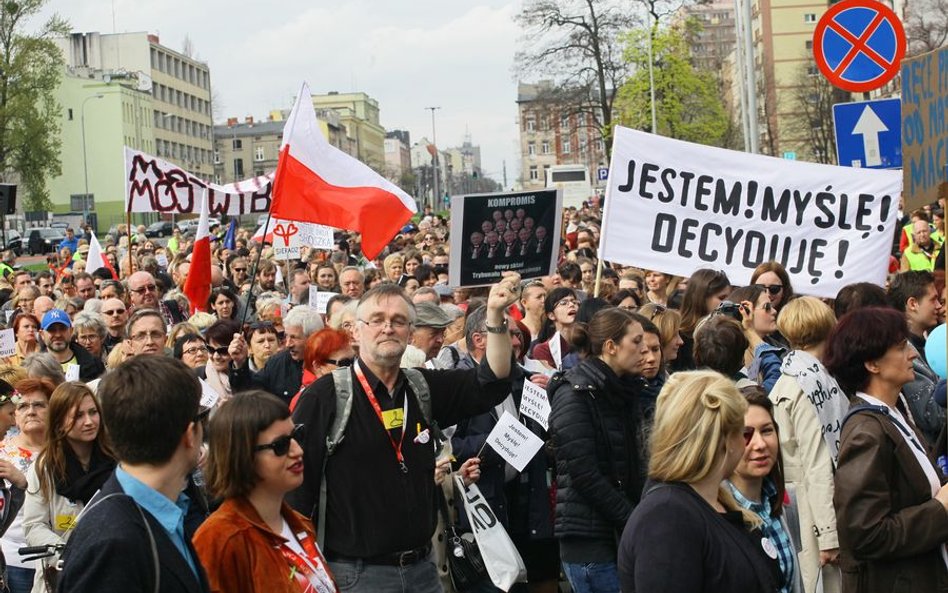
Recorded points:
128,230
256,266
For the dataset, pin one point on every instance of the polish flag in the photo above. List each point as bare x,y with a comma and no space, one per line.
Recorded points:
197,286
316,182
95,260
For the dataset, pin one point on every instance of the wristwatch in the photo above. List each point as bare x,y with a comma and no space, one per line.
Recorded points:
498,329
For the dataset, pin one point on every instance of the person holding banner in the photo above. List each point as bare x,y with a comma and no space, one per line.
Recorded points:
595,424
688,533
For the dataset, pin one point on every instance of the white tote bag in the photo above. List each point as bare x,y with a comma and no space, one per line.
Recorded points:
503,561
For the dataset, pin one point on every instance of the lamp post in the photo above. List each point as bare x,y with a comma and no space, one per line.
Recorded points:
85,164
436,197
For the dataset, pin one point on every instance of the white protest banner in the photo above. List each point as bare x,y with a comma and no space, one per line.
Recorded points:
495,233
675,207
7,342
513,441
72,372
286,241
320,299
155,185
534,404
316,236
162,260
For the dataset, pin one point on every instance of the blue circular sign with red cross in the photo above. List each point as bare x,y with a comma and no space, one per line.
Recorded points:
859,45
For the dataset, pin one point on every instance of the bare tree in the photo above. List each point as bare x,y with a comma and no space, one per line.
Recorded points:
187,46
577,44
812,120
926,25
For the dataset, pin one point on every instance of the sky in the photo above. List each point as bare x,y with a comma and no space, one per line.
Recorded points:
407,54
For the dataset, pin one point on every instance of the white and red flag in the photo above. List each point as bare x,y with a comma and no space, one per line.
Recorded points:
316,182
95,260
197,286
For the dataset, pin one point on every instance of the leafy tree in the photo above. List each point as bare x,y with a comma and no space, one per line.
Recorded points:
577,44
688,102
31,67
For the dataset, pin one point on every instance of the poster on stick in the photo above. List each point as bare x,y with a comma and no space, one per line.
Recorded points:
495,233
675,207
924,127
155,185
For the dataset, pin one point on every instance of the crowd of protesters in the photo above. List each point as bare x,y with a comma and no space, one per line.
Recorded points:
703,436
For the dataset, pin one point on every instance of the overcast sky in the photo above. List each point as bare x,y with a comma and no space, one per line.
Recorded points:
407,54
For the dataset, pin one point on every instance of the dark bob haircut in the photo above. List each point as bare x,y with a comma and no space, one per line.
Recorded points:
861,336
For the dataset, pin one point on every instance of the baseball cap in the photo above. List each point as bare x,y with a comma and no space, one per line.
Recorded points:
54,316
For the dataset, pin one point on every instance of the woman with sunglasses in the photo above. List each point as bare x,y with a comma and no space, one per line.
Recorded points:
706,290
70,470
255,543
757,485
262,343
219,372
759,320
326,350
688,533
773,277
891,507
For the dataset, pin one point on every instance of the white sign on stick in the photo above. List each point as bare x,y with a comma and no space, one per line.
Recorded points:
7,343
320,299
534,404
676,207
514,442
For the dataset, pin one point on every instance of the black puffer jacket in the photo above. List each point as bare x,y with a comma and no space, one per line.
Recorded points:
600,460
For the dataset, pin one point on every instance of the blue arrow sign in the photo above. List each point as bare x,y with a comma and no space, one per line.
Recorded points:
869,133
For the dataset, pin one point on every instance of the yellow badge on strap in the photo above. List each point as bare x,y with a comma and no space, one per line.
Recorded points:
65,522
394,418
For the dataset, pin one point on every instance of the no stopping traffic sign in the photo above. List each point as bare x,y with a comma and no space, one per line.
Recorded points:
859,44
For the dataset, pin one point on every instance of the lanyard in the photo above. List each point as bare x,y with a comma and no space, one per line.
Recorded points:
315,580
378,412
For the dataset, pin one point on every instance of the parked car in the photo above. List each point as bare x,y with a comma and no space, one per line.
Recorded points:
60,224
162,228
191,224
12,240
44,240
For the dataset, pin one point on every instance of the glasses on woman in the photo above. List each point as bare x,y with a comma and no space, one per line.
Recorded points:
567,302
340,362
772,289
222,351
195,350
281,445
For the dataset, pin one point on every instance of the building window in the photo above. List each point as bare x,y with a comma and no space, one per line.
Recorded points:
238,168
69,111
237,144
812,70
580,119
534,174
564,122
531,146
566,146
258,153
809,17
531,125
545,147
809,44
217,157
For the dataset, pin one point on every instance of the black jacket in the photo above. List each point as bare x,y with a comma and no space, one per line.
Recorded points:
523,504
90,367
110,551
600,463
281,376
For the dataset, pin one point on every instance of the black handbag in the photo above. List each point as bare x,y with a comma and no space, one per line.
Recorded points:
465,564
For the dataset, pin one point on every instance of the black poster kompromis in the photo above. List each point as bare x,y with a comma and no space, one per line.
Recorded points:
495,233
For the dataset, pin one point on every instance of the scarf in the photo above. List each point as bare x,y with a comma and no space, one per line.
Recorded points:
825,395
81,484
219,382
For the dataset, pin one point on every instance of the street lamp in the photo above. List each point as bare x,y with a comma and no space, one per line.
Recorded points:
85,164
436,197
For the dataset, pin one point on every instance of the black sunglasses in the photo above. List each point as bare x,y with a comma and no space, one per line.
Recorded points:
222,351
771,289
281,446
340,362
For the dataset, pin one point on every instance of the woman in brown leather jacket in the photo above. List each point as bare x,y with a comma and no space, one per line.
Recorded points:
891,507
255,543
